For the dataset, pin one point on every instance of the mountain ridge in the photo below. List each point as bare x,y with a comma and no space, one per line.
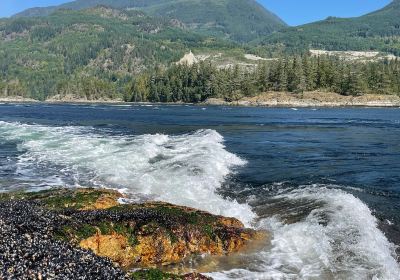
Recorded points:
379,30
100,47
239,20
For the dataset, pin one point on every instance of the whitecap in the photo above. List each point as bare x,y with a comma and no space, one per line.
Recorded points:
183,169
339,239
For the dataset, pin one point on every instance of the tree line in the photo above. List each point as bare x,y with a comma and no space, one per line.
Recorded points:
297,74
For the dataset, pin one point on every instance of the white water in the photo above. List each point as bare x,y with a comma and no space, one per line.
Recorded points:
338,240
185,170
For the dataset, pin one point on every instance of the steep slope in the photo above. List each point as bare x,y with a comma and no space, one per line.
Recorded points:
84,4
93,52
240,20
379,30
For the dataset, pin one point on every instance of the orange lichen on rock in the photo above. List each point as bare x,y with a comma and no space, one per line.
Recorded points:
157,244
114,246
142,235
158,249
231,222
108,199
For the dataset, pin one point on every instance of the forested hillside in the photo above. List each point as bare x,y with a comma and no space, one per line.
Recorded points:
92,53
295,74
379,30
103,53
239,20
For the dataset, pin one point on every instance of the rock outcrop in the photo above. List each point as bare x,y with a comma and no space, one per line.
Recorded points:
159,234
143,235
188,59
158,274
311,99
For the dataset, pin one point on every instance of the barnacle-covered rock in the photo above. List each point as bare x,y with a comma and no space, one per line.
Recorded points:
145,235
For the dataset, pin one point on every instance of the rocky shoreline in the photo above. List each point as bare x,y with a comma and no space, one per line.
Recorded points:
311,99
89,234
268,99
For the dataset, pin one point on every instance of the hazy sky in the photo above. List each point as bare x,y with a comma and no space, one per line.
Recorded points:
294,12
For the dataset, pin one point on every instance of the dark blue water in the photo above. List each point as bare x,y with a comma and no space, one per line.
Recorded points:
353,150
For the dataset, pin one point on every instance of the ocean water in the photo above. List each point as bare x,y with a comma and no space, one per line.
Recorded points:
324,182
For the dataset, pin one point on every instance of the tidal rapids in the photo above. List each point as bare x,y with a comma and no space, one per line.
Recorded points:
324,182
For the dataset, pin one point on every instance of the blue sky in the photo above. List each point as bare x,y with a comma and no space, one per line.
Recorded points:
294,12
11,7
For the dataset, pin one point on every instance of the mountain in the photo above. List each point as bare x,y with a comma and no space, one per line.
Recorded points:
240,20
379,30
94,52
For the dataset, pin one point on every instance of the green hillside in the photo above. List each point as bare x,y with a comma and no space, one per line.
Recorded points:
92,52
379,30
240,20
81,50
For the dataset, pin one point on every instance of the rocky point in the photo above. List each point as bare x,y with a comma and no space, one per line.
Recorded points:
64,233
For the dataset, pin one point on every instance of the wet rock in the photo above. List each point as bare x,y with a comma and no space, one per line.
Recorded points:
159,275
153,234
195,276
28,250
114,246
85,232
79,199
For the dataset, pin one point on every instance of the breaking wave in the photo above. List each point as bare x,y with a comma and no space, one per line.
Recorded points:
185,169
337,237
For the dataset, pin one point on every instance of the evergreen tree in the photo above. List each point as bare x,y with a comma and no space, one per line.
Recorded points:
283,76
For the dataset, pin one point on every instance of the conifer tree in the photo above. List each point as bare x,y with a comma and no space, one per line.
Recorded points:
283,76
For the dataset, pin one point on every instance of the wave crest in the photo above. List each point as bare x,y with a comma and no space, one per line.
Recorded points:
183,169
337,238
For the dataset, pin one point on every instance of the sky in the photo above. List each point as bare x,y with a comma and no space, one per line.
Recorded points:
11,7
296,12
293,12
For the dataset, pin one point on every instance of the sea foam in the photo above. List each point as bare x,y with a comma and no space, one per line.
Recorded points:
337,239
184,169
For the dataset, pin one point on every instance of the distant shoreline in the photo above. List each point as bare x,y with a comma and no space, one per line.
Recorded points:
268,100
311,99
